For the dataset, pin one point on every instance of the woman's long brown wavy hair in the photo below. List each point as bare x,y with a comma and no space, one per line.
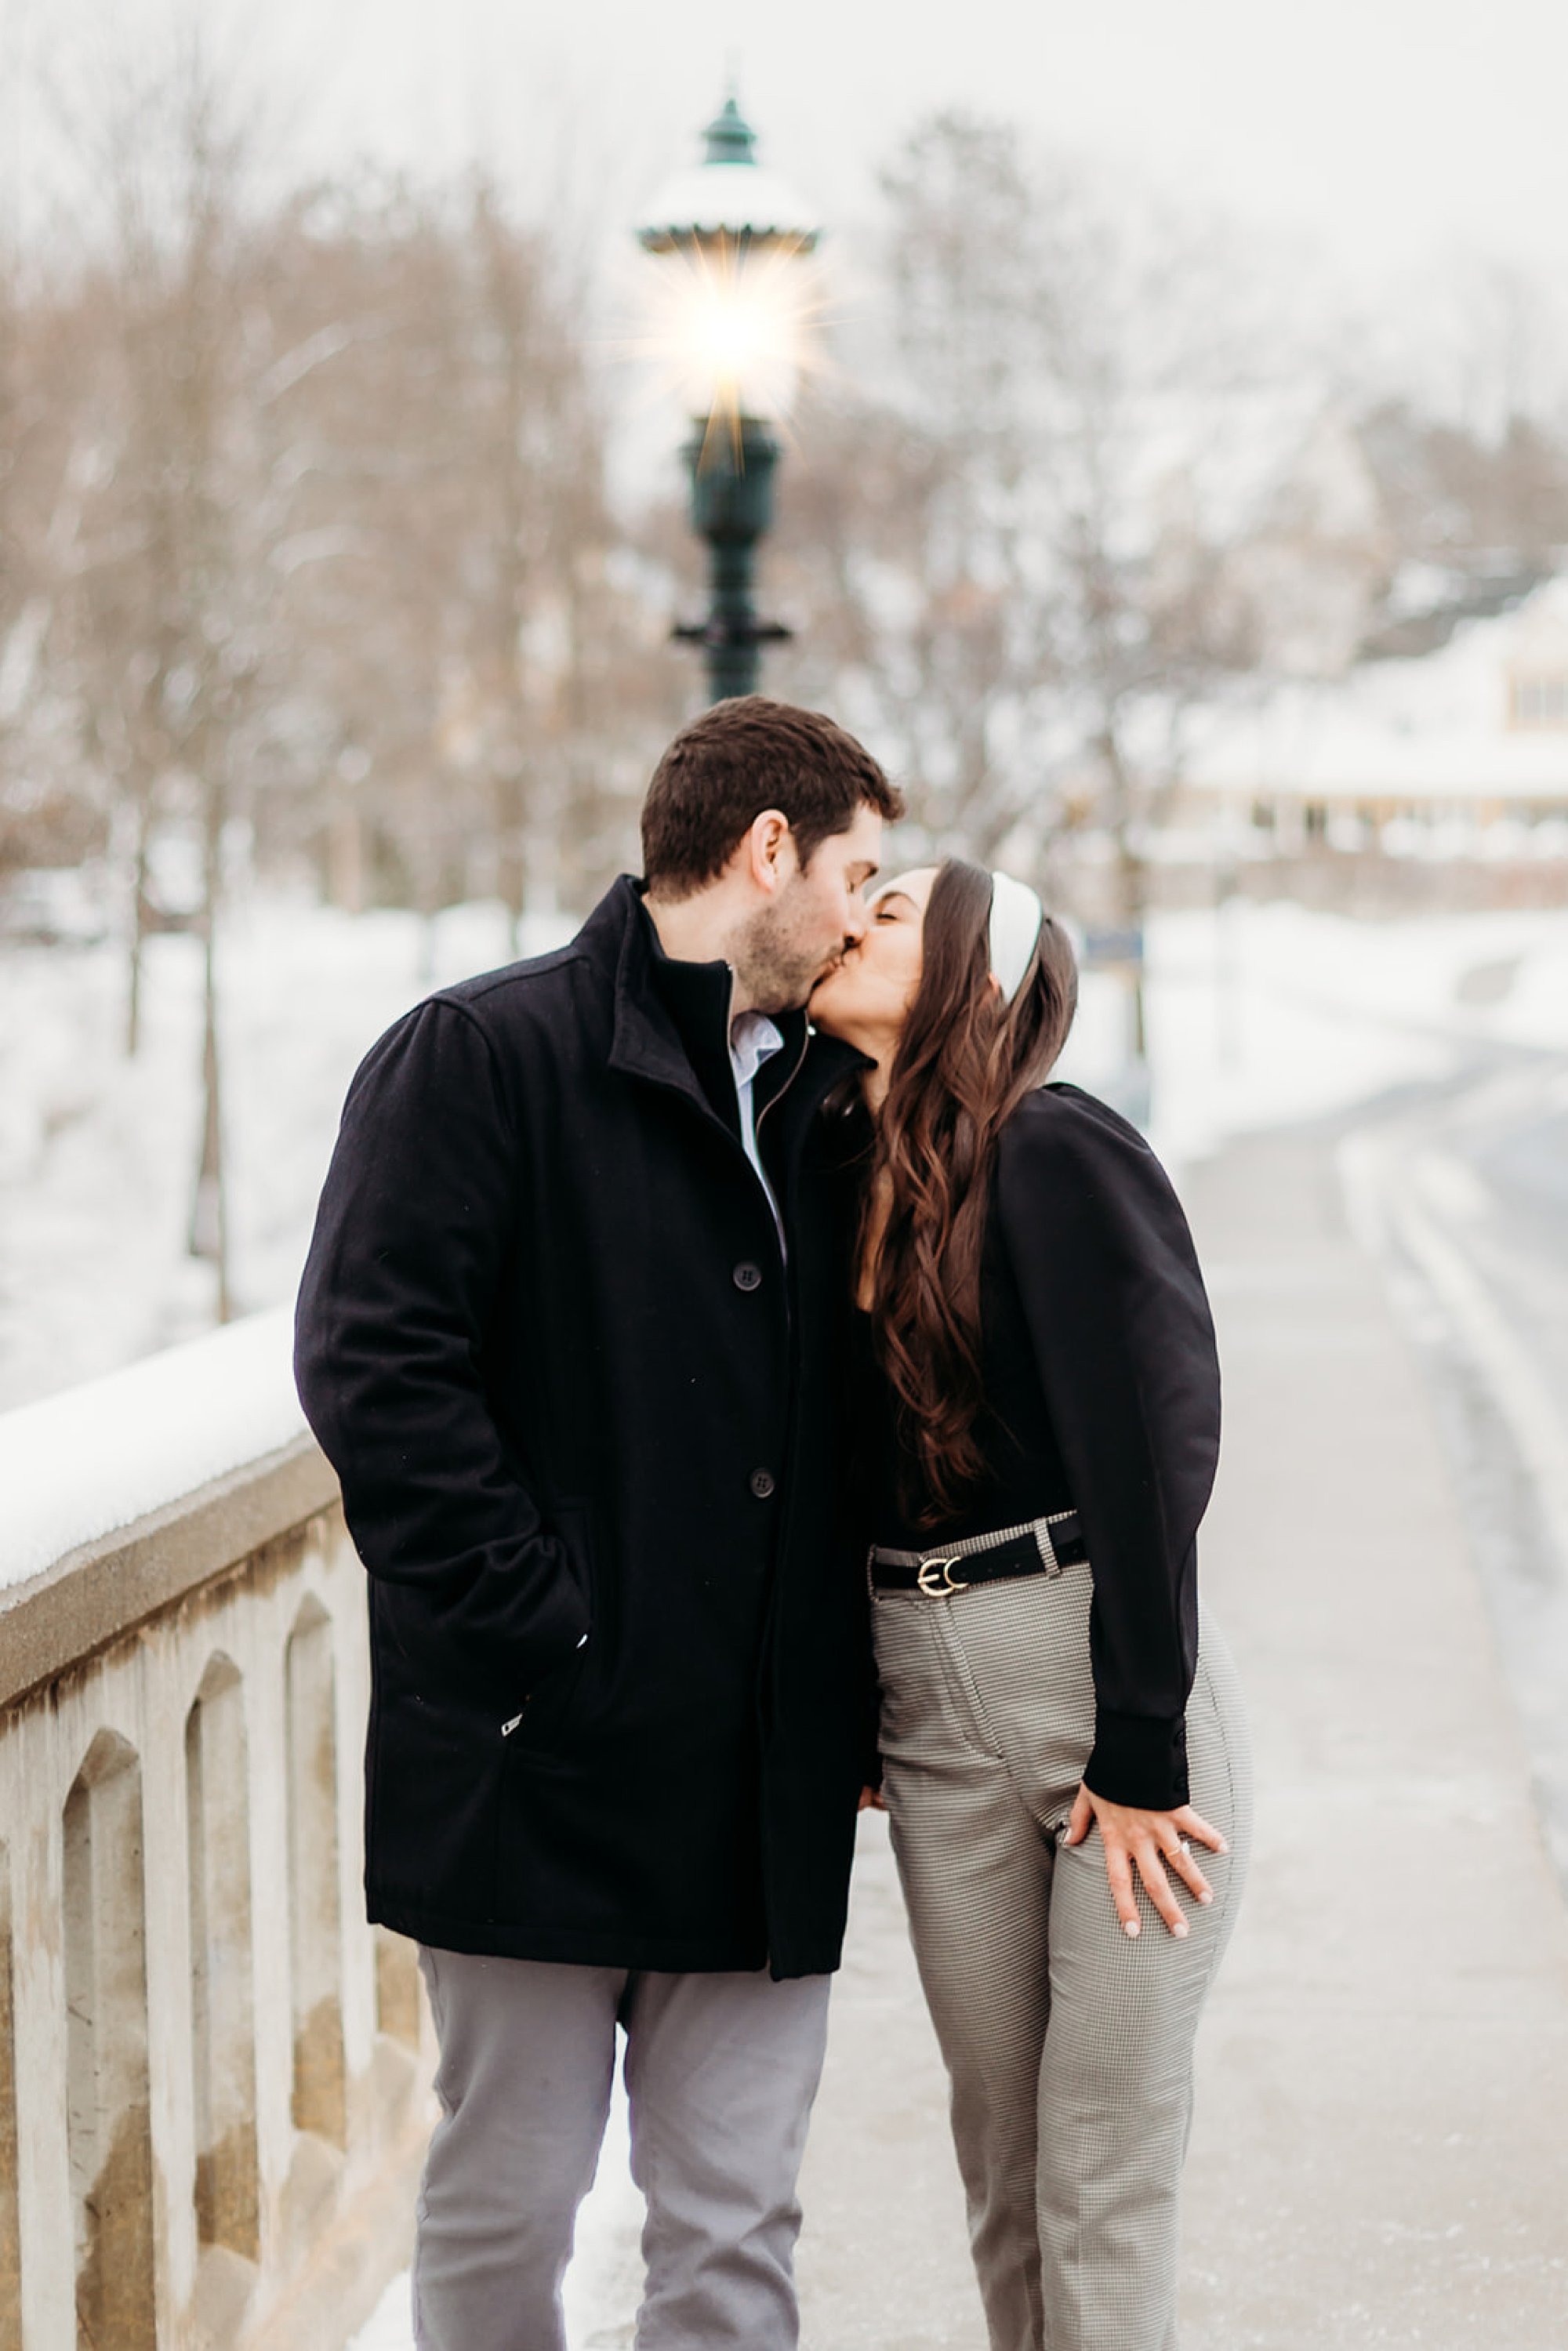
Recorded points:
965,1062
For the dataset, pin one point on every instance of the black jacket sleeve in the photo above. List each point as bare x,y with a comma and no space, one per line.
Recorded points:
412,1237
1122,1334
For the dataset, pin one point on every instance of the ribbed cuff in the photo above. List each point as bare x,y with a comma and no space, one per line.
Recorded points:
1139,1759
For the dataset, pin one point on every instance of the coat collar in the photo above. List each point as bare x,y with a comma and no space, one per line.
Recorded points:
671,1019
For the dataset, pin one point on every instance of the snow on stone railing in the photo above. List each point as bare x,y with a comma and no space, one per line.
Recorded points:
212,2100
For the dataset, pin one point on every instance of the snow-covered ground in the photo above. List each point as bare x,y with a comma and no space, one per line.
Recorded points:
98,1154
1257,1014
1262,1015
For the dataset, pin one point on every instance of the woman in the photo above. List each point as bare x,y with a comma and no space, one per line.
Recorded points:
1041,1419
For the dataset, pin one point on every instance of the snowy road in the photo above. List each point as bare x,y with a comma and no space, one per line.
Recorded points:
1462,1189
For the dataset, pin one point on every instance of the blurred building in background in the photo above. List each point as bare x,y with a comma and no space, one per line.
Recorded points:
1438,778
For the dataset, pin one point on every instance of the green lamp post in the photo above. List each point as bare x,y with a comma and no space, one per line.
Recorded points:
730,238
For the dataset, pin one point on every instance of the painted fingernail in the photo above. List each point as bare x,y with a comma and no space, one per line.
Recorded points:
1131,1926
1180,1929
1205,1895
1223,1847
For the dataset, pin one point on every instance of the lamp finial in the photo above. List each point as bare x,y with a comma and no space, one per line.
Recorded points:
730,137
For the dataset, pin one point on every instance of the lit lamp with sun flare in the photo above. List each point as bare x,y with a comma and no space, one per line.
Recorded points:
736,298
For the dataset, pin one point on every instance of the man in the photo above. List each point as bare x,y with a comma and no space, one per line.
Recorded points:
568,1334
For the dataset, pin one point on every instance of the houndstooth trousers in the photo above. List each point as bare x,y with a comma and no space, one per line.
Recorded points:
1068,2042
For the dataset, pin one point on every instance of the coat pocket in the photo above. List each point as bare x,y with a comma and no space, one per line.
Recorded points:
544,1712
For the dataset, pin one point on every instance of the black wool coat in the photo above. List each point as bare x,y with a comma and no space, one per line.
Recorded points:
587,1422
1124,1342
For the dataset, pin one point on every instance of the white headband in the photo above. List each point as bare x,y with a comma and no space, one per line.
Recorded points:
1016,917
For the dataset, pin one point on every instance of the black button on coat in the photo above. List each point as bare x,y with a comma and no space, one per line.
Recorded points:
620,1707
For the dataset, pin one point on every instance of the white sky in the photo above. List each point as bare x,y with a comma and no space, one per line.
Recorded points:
1389,131
1386,131
1389,154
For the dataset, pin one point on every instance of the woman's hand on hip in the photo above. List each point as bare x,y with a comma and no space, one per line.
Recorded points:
1147,1842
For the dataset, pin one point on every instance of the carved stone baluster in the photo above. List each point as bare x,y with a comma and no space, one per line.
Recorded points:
223,2024
315,1944
105,2052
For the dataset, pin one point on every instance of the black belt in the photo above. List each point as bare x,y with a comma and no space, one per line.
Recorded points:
1043,1548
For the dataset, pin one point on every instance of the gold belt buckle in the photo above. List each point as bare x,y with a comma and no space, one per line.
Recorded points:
944,1567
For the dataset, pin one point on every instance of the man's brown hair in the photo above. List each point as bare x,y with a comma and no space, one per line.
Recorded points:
737,758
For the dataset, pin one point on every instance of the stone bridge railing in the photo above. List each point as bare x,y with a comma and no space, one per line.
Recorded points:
213,2073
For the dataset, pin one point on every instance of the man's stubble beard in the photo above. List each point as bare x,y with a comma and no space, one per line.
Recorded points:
775,964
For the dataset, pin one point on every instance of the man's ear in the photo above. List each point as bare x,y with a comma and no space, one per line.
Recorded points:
768,851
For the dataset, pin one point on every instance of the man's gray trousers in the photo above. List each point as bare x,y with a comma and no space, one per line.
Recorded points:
721,2071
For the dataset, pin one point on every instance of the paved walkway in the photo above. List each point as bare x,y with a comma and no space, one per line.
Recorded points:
1381,2151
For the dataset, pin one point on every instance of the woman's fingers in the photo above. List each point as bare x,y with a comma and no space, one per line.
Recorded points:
1119,1870
1159,1887
1193,1824
1081,1819
1150,1841
1179,1856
